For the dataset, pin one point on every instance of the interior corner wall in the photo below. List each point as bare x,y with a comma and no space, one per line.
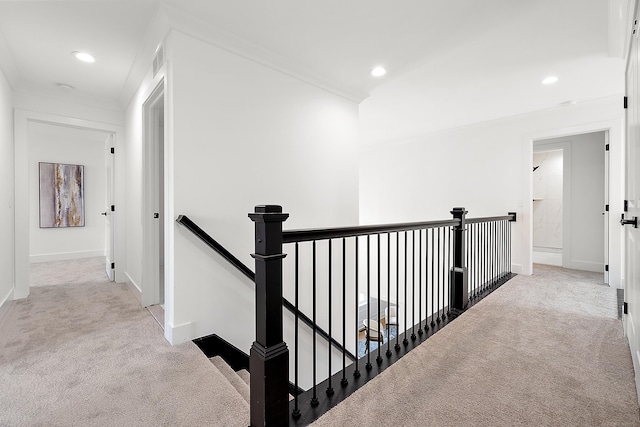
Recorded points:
243,135
61,144
6,194
486,167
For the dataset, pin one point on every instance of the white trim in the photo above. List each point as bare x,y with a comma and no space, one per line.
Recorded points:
178,334
585,266
5,303
61,256
133,287
150,202
517,269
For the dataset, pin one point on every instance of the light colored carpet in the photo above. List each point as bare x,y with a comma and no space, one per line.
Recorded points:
544,350
70,272
86,354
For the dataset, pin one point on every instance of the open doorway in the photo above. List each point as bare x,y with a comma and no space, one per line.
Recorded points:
154,217
569,201
55,147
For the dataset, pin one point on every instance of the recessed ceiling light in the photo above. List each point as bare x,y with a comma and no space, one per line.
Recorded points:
83,56
550,80
64,86
378,72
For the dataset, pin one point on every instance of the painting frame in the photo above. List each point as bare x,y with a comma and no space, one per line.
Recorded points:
61,195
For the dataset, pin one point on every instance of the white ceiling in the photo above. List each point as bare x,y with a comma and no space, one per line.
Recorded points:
449,62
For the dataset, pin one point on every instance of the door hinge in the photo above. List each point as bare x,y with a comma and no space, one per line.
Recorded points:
626,103
113,208
606,147
113,265
113,150
625,308
606,267
626,206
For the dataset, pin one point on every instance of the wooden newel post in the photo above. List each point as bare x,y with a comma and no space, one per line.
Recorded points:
269,359
458,283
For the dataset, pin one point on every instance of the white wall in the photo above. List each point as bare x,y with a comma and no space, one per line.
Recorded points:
244,134
61,144
486,168
6,194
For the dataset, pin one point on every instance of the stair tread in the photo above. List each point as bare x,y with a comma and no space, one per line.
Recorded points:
244,374
232,376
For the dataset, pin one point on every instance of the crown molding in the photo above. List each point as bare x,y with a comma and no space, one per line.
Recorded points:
203,31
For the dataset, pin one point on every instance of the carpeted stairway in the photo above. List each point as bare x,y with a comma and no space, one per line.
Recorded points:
239,380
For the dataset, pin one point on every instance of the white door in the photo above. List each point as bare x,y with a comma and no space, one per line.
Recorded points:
153,211
632,197
109,213
605,213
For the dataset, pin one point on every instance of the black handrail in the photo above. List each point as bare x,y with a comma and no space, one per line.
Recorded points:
306,235
217,247
291,236
210,241
511,217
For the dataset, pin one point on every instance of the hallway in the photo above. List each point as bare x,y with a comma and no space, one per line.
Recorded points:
545,349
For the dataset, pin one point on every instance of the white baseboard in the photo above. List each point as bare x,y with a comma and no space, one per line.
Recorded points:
178,334
547,258
596,267
133,287
62,256
517,269
5,303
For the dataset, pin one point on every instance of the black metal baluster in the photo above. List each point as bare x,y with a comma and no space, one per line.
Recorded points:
296,410
330,390
433,281
356,371
486,255
397,344
388,316
447,274
405,341
379,329
314,399
413,286
344,381
495,253
467,244
439,275
420,331
426,280
368,332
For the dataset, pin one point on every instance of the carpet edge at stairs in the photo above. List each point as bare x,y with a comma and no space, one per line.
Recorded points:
238,383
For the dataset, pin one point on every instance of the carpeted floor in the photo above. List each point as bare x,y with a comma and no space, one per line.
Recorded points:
543,350
86,354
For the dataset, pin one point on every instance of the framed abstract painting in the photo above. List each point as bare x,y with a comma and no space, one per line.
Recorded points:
61,195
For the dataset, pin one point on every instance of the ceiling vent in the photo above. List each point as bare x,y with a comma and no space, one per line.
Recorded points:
158,60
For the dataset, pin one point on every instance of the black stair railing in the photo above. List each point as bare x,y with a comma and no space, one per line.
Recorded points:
431,271
222,251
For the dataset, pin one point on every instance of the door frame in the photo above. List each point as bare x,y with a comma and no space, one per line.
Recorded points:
615,128
151,292
22,118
